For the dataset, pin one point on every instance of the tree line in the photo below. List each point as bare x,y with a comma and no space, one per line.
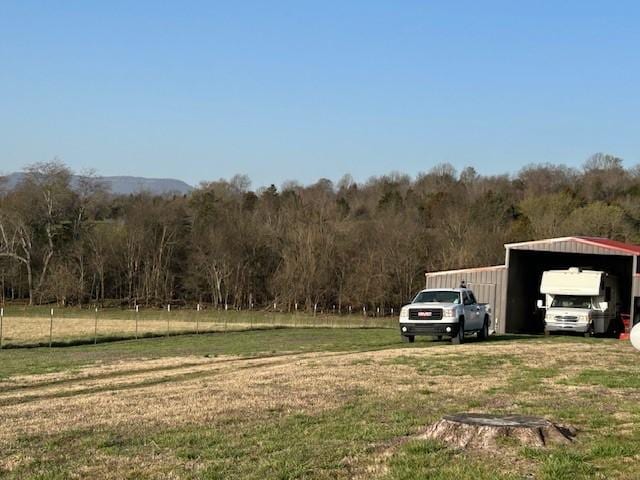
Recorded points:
338,245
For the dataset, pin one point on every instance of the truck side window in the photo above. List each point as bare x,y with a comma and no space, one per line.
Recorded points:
607,294
472,298
466,299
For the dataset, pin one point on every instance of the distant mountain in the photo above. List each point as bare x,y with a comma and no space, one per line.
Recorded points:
123,185
157,186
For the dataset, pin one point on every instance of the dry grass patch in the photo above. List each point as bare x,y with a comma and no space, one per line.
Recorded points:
35,330
336,415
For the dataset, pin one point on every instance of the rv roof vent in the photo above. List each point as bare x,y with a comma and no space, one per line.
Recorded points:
575,269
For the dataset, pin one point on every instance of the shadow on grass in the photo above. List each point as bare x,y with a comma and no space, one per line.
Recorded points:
74,342
148,335
513,337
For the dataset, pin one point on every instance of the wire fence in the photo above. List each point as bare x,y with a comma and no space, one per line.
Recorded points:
37,326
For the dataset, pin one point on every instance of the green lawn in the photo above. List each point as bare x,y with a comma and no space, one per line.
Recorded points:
261,342
313,403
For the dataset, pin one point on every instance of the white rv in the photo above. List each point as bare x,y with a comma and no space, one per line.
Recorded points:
582,301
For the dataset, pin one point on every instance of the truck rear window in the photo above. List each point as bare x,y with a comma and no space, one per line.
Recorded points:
438,296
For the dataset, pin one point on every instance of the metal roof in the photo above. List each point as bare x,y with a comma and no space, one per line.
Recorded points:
605,243
465,270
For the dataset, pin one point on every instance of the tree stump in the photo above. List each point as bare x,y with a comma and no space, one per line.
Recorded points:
477,430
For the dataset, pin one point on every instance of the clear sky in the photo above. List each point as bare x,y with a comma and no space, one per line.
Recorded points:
308,89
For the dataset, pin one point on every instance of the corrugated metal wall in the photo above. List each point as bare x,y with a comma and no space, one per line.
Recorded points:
489,285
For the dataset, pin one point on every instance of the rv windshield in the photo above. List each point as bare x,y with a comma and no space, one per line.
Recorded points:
571,301
438,296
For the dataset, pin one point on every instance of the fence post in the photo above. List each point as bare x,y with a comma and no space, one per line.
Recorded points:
95,328
51,328
275,315
197,319
136,315
168,318
1,324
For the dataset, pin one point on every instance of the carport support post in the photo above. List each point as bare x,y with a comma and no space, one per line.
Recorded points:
137,309
197,319
634,267
51,328
1,322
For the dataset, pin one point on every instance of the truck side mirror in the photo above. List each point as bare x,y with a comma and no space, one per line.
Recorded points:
539,304
604,306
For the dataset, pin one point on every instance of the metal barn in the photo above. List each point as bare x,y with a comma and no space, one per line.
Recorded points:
513,288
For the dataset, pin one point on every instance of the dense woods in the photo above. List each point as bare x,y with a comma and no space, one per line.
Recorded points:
345,245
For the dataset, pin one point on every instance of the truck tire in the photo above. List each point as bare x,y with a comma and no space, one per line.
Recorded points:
408,338
459,337
484,333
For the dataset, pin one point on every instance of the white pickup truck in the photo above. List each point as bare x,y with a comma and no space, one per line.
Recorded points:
451,312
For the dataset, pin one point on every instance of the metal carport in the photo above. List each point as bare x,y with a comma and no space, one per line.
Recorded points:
513,288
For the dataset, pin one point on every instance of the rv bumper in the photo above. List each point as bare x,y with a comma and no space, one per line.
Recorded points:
563,327
429,328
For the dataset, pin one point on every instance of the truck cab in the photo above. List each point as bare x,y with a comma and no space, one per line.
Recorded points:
441,312
579,301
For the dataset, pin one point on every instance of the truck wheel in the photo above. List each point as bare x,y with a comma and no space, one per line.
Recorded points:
589,332
408,338
459,338
484,333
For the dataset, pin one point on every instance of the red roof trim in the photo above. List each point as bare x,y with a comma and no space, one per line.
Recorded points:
610,244
597,241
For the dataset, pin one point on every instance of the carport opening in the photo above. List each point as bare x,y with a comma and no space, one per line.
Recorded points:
525,273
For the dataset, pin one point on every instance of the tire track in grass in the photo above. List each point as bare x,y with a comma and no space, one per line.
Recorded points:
146,377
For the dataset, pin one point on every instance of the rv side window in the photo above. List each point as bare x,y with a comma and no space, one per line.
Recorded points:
607,294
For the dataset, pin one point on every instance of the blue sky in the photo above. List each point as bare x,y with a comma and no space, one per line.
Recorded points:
302,90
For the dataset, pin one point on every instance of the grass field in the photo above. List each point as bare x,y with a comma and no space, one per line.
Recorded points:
34,326
311,403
